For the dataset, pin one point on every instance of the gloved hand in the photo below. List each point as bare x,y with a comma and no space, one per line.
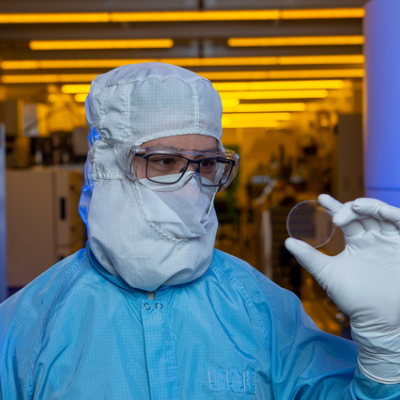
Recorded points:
364,280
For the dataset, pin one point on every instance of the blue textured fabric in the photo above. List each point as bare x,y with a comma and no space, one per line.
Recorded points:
77,332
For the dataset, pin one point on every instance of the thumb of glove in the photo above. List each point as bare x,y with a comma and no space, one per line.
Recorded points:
311,259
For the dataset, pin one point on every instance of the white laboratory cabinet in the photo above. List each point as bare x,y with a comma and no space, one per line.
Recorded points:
43,223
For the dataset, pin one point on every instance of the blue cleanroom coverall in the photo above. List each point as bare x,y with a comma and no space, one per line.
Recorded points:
77,332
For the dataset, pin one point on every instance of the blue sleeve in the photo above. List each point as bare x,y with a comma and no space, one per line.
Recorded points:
22,319
308,363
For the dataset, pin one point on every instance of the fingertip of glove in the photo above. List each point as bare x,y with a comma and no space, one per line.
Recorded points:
359,204
324,196
324,199
292,243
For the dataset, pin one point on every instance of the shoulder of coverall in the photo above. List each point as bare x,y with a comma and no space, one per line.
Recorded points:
31,303
23,316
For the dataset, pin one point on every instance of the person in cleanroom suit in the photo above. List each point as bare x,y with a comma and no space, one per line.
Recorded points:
149,310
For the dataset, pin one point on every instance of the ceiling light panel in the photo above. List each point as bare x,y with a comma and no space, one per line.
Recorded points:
100,44
80,97
293,74
276,94
323,13
267,107
259,116
177,16
185,62
279,85
249,123
75,88
47,78
296,41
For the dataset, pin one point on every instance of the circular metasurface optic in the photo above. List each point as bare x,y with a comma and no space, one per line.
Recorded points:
309,222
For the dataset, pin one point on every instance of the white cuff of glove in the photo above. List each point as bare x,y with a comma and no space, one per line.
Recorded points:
381,368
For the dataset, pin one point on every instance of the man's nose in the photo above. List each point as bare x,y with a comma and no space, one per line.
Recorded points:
193,167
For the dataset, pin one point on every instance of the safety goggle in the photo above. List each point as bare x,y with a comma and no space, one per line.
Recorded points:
163,169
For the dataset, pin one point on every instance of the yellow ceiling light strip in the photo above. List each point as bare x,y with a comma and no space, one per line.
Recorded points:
100,44
185,62
294,74
279,85
284,116
230,102
40,18
276,94
267,107
80,97
176,16
75,88
67,64
214,15
323,13
344,59
296,41
47,78
249,123
220,75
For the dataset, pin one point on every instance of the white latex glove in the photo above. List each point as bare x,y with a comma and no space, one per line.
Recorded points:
364,280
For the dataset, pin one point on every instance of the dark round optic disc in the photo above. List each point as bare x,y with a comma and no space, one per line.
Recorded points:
309,222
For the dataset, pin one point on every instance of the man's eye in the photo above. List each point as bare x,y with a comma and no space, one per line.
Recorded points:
207,164
165,162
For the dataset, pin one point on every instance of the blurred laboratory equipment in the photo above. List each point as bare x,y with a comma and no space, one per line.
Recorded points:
3,254
43,223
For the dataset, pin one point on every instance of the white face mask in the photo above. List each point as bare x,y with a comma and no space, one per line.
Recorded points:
189,209
151,239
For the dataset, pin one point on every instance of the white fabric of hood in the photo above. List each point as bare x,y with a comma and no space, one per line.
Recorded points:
134,104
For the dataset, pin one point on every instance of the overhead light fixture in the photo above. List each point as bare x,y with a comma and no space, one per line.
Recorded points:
249,123
75,88
279,85
80,97
47,78
284,116
178,16
328,59
296,41
214,76
292,74
266,107
275,94
100,44
323,13
207,15
230,102
184,62
53,18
